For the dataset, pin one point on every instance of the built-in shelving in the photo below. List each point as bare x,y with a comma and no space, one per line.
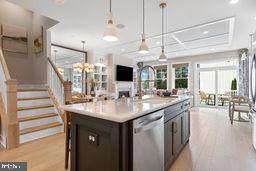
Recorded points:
101,77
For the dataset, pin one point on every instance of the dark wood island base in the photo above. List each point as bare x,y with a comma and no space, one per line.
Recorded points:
102,145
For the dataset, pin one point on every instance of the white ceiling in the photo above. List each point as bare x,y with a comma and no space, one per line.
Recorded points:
229,26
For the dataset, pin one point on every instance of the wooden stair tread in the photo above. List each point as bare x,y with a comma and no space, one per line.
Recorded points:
35,107
31,89
39,128
34,117
33,98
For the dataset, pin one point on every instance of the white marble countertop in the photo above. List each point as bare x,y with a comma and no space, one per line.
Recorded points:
122,110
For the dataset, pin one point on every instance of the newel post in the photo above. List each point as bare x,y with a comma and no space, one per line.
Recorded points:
13,133
67,92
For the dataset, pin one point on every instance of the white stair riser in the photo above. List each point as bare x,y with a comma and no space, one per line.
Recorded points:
40,134
26,103
31,86
35,112
25,94
39,122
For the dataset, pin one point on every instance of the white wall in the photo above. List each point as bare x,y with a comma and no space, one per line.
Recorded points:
114,60
26,68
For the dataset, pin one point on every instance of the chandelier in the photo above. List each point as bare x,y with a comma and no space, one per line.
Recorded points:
83,66
61,71
80,67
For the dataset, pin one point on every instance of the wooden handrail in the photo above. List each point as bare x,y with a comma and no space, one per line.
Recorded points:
56,70
4,66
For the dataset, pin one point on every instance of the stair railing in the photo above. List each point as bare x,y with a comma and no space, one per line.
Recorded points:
60,88
8,107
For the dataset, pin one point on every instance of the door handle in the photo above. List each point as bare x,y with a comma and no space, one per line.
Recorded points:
187,104
148,124
174,127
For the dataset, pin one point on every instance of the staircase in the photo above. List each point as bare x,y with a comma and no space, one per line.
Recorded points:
37,114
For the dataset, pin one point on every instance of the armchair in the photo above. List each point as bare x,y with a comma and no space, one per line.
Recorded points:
240,104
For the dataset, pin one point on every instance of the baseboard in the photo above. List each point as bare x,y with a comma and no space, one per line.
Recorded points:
3,141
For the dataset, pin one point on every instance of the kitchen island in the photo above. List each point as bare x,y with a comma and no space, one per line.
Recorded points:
128,135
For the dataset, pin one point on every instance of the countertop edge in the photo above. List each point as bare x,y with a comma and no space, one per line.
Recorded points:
123,119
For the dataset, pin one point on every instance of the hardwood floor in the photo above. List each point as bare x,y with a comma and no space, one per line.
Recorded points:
215,145
46,154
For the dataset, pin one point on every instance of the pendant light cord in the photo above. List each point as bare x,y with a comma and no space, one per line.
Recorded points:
110,5
84,53
143,17
162,26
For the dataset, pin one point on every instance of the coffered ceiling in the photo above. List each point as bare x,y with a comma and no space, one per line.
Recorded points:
191,26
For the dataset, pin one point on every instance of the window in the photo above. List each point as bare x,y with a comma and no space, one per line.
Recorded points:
161,77
181,75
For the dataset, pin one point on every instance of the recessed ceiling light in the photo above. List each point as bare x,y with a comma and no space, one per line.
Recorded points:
60,1
255,18
212,49
158,42
205,32
254,43
232,2
122,50
120,26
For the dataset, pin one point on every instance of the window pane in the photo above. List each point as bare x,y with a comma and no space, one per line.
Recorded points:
161,84
161,75
181,83
225,78
207,82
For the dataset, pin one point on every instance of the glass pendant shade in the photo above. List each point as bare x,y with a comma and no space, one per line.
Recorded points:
110,33
162,57
143,47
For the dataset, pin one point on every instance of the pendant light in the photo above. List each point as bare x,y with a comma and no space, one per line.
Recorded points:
143,47
110,34
162,57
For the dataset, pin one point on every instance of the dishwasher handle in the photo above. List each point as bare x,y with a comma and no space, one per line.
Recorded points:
148,124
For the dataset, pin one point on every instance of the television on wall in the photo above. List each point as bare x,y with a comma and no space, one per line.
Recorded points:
124,73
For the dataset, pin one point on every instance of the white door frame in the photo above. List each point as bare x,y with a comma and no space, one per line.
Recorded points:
215,69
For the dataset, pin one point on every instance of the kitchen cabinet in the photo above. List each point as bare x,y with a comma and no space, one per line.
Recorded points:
176,133
185,126
176,130
168,152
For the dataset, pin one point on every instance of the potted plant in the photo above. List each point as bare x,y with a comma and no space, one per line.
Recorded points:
234,86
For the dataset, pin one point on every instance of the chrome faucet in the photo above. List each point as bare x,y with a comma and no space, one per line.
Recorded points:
139,84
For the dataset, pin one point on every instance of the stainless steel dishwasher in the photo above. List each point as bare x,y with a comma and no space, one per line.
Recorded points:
148,142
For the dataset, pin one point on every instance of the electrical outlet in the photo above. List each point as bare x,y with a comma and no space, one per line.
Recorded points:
93,138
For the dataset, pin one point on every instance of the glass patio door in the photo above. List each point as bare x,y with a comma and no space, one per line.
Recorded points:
207,88
225,78
215,85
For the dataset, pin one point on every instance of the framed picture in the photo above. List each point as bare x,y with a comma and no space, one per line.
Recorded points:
14,39
38,41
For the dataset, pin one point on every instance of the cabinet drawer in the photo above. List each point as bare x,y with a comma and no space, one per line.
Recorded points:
173,108
173,111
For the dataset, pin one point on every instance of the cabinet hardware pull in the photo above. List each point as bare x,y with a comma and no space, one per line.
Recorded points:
186,104
174,127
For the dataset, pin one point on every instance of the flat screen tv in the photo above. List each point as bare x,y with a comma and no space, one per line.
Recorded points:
124,73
